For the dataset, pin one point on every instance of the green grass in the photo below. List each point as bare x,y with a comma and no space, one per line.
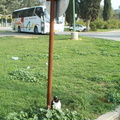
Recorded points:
105,30
86,74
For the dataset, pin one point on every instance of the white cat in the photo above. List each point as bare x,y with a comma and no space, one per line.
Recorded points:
56,104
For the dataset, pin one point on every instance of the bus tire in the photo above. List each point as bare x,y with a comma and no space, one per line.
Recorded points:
36,30
19,29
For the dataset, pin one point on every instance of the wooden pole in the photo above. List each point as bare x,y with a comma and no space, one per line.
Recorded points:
50,62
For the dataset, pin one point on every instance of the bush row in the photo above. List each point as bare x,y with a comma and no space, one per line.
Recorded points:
43,114
100,24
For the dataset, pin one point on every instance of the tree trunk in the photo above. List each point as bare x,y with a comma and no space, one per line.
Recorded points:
87,25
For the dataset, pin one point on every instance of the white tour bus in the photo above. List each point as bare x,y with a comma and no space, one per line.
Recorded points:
35,19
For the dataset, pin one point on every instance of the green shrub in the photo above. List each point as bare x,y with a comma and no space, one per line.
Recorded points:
99,24
81,22
113,96
44,114
119,24
106,25
97,78
93,26
27,76
111,24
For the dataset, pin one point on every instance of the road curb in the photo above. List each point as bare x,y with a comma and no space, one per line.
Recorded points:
113,115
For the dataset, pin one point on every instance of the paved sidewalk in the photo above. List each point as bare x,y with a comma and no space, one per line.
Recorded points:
114,115
5,28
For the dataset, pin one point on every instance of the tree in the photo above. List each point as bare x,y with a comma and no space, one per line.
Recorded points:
2,6
100,15
89,10
11,5
107,10
8,6
69,14
29,3
117,16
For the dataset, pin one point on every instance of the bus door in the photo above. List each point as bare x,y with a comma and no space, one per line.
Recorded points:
39,12
21,17
29,20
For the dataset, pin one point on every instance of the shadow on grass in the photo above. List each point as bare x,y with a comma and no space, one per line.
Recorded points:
2,118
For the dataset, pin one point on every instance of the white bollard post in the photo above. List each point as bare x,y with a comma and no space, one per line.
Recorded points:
74,35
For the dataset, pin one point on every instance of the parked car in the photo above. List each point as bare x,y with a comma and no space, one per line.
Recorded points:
78,27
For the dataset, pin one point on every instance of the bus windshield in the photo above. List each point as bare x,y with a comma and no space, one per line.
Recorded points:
47,16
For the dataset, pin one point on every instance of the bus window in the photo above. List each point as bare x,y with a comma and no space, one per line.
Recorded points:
39,11
47,17
59,20
22,13
15,14
29,12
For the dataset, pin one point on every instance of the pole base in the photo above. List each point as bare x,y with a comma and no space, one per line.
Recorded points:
74,35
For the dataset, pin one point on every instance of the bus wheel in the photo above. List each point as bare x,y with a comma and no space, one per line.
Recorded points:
19,30
36,30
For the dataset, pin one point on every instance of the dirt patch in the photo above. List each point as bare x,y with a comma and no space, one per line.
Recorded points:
27,37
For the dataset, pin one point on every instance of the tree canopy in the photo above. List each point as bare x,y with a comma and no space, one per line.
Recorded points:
89,10
7,6
107,10
69,11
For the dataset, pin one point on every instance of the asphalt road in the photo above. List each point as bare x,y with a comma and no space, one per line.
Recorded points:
112,35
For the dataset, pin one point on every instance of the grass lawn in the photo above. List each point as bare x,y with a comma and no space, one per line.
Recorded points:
86,74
